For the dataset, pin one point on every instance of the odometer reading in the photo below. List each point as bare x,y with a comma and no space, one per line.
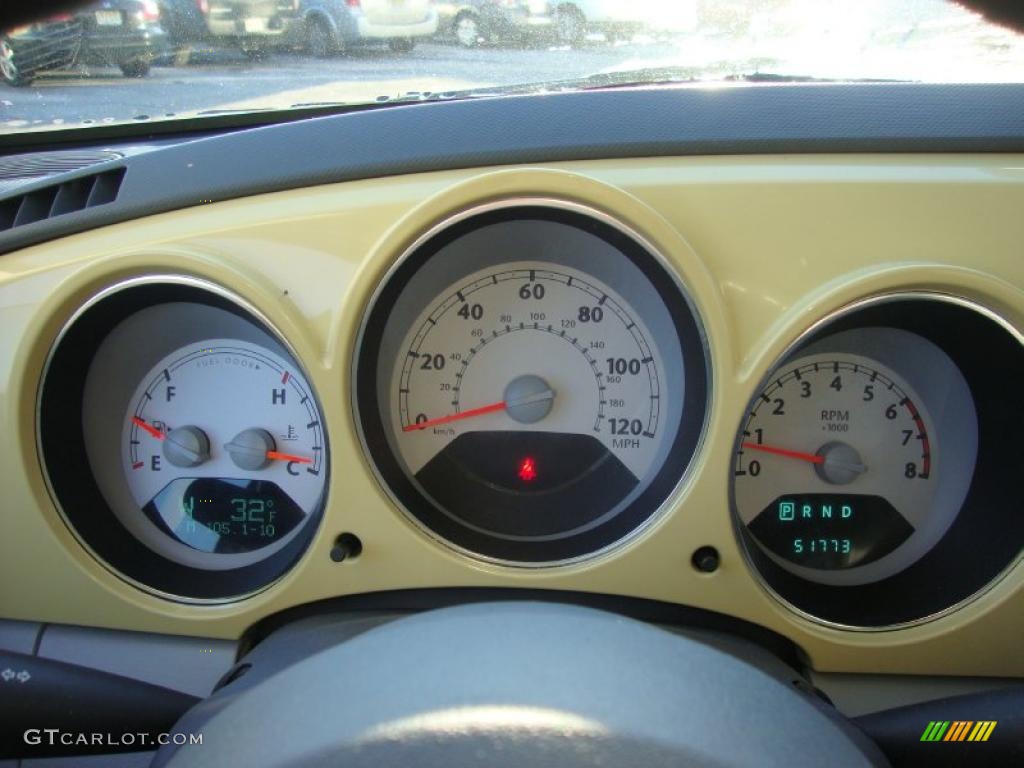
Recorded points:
830,531
835,465
224,515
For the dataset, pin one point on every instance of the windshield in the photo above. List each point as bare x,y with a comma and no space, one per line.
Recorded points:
142,61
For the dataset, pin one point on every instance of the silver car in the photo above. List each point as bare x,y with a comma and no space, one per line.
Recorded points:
326,27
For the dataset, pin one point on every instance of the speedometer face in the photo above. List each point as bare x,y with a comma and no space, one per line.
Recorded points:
529,348
532,407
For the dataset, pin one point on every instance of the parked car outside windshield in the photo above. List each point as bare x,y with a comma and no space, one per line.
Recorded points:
262,59
115,33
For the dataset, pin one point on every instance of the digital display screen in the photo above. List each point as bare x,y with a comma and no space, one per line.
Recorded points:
524,483
224,515
830,531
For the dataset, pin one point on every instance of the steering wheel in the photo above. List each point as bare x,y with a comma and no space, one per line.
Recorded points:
513,684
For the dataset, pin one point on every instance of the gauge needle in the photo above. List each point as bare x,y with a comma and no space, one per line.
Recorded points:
492,408
508,403
277,456
811,457
151,429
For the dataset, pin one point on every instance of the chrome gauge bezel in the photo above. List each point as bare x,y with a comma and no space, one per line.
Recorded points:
902,600
370,428
114,547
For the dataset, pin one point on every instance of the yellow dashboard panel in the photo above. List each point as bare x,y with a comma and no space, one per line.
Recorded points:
765,248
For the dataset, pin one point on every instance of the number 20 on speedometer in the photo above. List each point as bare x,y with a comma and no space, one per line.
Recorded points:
529,406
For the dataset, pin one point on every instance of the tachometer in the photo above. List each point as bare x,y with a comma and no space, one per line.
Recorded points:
871,479
530,388
837,468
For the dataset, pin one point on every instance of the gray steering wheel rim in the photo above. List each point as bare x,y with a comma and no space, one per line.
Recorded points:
513,684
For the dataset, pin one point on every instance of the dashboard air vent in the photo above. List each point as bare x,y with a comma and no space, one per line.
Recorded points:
38,164
58,199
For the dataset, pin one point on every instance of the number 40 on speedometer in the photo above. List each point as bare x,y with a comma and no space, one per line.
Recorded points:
531,407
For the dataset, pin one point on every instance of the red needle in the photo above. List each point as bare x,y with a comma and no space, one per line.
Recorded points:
456,416
288,457
152,430
811,457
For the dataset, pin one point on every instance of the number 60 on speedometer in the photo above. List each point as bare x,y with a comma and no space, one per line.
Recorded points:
528,405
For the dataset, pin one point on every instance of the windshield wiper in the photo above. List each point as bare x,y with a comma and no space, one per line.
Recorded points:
629,78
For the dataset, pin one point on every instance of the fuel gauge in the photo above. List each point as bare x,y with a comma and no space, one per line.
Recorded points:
182,440
223,447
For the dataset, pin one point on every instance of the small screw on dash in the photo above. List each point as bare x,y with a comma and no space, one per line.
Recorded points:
706,559
346,547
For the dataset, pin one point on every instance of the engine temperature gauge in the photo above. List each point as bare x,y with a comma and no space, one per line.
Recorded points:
183,441
223,447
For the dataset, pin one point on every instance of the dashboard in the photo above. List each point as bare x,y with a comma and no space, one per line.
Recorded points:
779,388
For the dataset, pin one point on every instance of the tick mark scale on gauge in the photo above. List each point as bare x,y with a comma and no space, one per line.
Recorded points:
812,458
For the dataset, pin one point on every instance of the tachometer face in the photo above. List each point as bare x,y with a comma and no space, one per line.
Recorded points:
841,473
534,410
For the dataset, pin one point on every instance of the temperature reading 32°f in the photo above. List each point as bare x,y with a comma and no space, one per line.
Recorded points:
224,448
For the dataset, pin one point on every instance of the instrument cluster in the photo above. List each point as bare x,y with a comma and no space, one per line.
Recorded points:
532,386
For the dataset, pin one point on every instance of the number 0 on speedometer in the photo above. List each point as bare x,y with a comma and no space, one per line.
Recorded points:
531,409
530,349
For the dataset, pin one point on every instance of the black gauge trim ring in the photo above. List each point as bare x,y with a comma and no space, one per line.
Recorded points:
642,509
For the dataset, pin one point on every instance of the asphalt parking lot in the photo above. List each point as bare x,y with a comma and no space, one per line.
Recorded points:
944,44
220,80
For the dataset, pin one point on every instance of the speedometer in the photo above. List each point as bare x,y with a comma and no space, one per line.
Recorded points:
531,385
487,351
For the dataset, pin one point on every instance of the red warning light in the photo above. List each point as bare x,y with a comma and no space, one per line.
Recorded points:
527,469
